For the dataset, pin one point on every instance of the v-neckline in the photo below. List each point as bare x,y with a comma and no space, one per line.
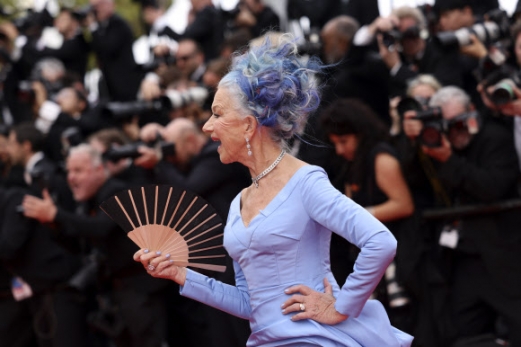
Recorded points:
272,201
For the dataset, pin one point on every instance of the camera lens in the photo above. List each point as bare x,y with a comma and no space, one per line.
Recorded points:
431,136
503,93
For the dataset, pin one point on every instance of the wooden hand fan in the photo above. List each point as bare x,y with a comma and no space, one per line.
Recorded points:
173,221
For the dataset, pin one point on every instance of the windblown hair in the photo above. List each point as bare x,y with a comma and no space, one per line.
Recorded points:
274,84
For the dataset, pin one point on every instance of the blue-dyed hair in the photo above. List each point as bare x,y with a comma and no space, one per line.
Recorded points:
274,84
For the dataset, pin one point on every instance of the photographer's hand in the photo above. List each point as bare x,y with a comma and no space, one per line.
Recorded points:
383,24
512,108
476,48
149,89
44,210
391,58
149,157
40,95
442,153
411,127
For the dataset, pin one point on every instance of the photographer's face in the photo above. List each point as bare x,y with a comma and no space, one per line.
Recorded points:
411,46
423,91
15,150
69,102
187,58
451,20
83,176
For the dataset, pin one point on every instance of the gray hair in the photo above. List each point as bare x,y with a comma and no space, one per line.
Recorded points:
50,64
94,155
411,12
424,79
450,94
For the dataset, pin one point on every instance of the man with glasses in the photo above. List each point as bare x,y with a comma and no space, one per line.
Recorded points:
190,60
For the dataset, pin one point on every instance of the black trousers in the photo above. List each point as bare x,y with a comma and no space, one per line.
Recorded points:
144,317
477,302
51,319
16,328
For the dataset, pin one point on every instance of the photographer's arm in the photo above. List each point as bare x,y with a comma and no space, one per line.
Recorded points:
73,225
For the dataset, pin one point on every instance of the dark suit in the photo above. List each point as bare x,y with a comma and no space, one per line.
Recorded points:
73,53
486,269
364,11
28,250
138,295
363,75
112,43
444,65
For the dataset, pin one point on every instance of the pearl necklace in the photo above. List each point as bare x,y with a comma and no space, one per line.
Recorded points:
256,180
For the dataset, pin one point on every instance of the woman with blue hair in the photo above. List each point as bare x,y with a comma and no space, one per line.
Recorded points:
279,229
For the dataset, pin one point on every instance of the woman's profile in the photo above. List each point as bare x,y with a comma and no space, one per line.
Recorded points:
279,228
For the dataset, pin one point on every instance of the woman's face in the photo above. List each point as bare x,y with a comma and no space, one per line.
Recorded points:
345,145
227,126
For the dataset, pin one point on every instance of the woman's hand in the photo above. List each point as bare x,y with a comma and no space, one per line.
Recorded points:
313,305
161,266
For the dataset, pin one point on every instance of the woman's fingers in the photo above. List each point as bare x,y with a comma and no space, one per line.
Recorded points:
294,299
328,289
161,258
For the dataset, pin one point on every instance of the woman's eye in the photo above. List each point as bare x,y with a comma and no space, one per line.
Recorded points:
216,115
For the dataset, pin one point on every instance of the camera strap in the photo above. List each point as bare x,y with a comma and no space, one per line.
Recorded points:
440,193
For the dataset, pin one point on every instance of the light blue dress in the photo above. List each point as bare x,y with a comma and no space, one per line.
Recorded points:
287,244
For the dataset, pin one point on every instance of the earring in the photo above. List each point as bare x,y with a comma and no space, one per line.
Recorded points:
248,147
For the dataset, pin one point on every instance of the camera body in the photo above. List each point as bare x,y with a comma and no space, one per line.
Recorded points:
433,126
394,36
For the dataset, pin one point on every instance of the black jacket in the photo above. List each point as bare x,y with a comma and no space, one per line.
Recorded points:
486,172
214,181
28,249
112,43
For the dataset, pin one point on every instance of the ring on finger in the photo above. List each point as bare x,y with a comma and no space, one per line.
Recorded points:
151,267
302,307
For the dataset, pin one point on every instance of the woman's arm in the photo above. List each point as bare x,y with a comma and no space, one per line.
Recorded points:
389,179
328,207
234,300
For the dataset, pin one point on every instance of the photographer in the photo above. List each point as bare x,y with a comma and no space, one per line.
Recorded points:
476,164
139,321
112,40
72,50
113,145
407,51
511,105
46,308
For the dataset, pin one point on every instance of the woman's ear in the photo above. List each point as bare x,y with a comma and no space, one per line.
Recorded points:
250,125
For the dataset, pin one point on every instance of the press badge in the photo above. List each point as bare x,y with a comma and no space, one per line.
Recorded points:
20,289
449,237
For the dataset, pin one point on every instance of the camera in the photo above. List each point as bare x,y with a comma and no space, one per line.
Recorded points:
392,37
433,126
116,153
431,117
173,99
157,61
498,78
497,26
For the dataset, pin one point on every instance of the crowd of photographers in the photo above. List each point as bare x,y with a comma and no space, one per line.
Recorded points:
420,123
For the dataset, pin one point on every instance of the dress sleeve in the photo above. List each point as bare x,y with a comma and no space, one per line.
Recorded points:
234,300
328,207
